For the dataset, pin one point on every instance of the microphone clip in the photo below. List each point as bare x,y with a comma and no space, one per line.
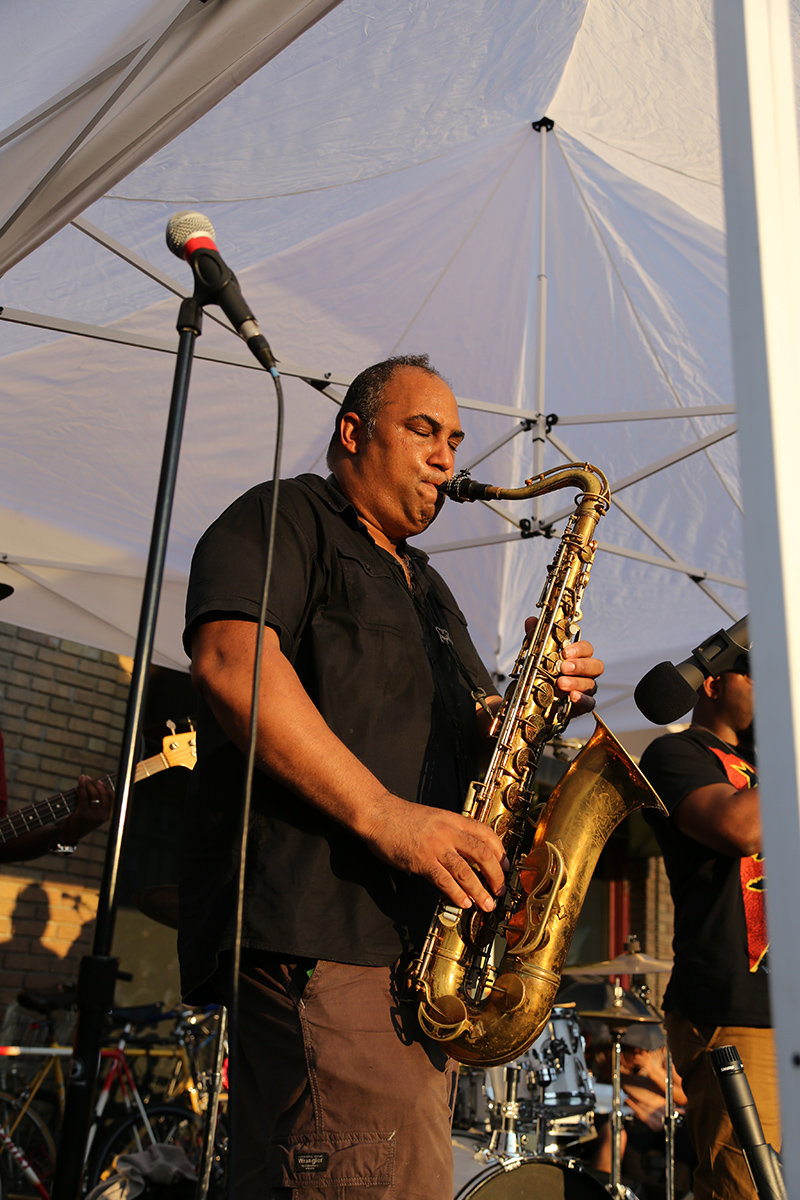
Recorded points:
720,653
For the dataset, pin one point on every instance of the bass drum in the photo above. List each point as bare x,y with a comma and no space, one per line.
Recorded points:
536,1179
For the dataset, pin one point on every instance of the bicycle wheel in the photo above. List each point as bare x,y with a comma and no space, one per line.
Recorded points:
171,1124
29,1132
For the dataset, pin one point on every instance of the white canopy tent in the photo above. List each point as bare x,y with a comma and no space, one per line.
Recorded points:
378,187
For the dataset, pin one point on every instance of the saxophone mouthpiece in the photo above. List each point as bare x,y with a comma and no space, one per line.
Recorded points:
462,487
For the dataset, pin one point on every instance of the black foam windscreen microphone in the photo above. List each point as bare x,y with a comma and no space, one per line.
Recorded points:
762,1161
667,692
191,236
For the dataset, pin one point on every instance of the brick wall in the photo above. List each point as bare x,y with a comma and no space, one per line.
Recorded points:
651,916
62,708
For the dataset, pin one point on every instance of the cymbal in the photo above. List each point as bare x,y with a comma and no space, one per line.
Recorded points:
598,994
623,964
159,903
618,1016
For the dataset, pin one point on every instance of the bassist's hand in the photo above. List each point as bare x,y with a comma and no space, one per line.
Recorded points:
95,800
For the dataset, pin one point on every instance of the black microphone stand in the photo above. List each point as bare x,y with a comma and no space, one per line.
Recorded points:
98,971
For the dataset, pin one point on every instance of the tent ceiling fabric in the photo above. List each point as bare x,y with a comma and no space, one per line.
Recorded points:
166,66
376,188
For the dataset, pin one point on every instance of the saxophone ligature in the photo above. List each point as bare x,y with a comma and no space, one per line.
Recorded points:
489,1014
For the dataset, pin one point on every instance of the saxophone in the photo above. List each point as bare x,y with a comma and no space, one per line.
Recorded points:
487,1014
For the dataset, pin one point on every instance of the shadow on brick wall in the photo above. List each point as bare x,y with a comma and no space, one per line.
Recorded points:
46,933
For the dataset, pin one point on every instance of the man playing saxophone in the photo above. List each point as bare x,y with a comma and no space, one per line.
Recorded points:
371,724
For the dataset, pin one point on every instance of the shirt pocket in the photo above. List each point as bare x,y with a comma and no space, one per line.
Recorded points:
374,596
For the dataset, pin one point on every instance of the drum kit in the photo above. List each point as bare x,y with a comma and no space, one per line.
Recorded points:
541,1108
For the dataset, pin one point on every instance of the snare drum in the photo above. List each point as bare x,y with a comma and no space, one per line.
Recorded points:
544,1178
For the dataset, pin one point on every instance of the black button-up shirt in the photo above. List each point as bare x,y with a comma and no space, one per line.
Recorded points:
375,660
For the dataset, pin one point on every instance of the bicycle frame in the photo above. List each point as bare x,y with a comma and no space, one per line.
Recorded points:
13,1149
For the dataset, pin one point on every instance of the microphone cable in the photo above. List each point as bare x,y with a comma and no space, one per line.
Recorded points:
191,236
247,791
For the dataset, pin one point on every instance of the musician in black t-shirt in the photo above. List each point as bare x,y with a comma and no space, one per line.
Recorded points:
718,993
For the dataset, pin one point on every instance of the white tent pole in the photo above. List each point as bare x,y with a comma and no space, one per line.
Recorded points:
762,207
539,426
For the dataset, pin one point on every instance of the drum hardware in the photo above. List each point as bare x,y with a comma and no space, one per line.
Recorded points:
618,1023
558,1066
544,1072
505,1141
671,1117
543,1102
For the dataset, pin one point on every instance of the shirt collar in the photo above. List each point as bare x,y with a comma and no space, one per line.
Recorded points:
336,500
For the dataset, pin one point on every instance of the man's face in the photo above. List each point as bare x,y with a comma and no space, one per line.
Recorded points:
736,696
411,452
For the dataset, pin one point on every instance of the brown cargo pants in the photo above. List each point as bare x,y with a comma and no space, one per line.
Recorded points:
339,1096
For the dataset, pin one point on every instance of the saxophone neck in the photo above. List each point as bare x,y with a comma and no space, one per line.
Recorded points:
589,479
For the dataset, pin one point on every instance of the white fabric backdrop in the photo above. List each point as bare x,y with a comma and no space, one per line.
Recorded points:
376,188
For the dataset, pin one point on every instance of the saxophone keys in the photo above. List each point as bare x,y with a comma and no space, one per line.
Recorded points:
512,796
523,760
501,825
477,931
531,728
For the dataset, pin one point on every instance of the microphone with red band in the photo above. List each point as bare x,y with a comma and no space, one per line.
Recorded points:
191,236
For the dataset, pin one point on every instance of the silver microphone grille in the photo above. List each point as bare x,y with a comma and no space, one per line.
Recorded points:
184,225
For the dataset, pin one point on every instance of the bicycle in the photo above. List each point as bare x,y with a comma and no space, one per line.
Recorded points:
163,1124
27,1162
27,1152
179,1052
173,1124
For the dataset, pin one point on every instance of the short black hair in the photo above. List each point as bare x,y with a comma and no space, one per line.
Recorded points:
365,398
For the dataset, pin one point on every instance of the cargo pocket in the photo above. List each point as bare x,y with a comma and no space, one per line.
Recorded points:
329,1165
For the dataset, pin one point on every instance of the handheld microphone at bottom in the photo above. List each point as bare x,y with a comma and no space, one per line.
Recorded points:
762,1161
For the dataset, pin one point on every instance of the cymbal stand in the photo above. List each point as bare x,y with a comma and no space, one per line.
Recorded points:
670,1115
616,1114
